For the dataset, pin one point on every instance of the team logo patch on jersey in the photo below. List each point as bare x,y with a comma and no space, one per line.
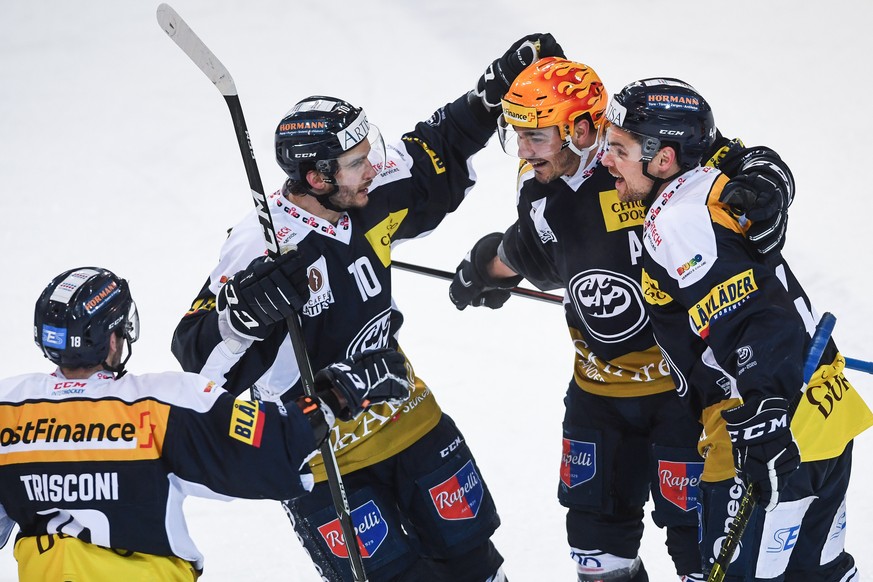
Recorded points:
725,297
679,482
578,462
617,214
247,422
370,531
459,496
373,335
609,303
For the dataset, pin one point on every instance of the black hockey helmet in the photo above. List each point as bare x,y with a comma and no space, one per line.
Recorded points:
76,314
665,111
316,132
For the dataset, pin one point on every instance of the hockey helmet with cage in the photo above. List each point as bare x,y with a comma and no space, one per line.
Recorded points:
552,92
317,131
665,112
78,312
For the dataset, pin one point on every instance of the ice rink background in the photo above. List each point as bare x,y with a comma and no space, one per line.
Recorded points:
116,151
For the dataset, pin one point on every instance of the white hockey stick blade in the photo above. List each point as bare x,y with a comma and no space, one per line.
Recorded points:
185,38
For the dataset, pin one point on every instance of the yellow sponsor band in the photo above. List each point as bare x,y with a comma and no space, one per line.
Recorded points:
380,236
519,115
82,431
724,297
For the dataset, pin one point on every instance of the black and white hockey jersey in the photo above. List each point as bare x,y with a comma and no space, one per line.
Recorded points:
111,461
426,175
574,233
718,311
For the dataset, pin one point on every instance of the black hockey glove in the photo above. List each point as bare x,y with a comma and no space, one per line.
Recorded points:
472,285
500,74
765,453
365,378
263,294
763,192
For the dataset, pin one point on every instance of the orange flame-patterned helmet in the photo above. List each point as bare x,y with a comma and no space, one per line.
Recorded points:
555,91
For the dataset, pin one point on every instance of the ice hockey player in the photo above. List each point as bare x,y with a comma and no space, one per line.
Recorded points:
626,433
734,325
423,509
95,463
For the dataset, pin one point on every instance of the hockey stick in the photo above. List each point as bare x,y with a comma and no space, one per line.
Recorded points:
820,338
851,363
860,365
199,53
520,291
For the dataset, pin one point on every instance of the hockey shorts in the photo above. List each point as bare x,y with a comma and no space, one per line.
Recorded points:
61,557
428,502
802,539
615,452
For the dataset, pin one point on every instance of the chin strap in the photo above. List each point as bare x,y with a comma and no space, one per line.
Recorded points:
118,369
656,184
323,199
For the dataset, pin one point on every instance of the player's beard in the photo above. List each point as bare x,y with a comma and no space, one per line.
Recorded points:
563,163
347,197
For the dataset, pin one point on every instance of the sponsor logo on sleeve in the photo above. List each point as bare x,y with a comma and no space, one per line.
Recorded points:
207,304
538,216
679,482
578,462
652,291
438,166
460,496
371,529
687,268
247,422
724,298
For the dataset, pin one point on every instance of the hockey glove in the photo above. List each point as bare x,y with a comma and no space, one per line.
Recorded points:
365,378
765,453
472,285
500,74
763,192
263,294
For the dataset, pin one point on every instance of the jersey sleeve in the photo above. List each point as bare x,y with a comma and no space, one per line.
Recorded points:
737,304
733,158
248,449
199,347
433,170
6,526
523,252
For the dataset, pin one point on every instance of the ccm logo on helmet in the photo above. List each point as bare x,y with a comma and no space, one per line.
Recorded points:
671,132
